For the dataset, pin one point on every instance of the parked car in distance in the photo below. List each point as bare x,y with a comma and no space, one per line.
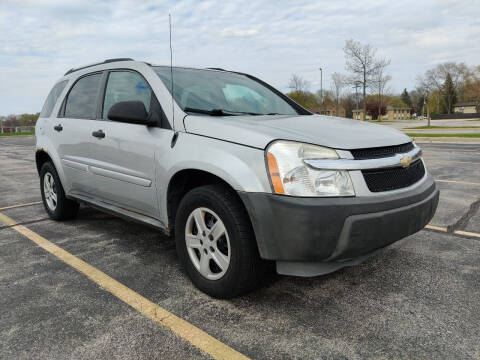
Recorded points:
237,172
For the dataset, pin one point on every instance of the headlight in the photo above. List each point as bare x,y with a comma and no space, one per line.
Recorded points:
290,175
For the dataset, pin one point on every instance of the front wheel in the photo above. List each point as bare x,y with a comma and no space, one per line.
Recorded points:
215,242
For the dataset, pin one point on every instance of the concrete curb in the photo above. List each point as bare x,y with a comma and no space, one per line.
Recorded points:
450,140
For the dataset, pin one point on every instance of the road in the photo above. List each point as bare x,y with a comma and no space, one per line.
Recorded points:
418,298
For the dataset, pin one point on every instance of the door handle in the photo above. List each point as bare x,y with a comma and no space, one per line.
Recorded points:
58,127
98,134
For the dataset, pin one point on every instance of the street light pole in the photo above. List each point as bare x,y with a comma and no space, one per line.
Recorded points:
321,87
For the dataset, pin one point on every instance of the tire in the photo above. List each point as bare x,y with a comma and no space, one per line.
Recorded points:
237,245
56,204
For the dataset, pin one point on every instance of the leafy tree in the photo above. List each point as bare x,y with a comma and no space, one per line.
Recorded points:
397,102
304,98
449,94
406,98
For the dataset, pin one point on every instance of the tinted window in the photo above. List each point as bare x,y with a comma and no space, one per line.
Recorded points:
126,86
52,98
82,99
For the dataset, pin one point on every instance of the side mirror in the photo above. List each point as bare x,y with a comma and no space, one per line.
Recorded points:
130,112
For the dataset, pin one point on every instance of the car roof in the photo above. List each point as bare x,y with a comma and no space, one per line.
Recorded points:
115,60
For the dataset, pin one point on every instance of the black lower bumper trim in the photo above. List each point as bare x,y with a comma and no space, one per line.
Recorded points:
336,229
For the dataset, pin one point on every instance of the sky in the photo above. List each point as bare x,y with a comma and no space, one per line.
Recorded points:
41,39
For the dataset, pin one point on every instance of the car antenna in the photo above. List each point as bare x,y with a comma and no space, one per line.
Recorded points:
175,133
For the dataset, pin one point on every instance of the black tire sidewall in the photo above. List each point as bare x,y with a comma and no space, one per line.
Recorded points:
61,210
226,286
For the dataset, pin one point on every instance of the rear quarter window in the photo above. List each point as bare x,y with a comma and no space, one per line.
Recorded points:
52,98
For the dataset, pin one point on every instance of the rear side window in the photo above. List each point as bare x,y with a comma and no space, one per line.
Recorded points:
82,99
52,98
126,86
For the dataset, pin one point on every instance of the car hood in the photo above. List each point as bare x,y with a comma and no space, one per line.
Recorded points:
259,131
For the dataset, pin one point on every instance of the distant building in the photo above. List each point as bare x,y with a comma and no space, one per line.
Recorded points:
398,113
465,108
329,110
358,115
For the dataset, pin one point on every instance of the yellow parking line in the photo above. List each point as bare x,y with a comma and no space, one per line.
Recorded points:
457,182
180,327
20,205
434,227
467,233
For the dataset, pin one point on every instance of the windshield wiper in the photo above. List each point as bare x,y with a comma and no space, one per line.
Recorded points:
218,112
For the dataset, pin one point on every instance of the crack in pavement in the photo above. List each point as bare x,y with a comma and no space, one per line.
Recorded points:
463,221
23,223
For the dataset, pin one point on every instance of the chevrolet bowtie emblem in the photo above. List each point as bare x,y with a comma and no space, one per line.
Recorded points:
405,160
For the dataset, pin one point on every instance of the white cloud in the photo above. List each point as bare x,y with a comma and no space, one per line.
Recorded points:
40,40
238,33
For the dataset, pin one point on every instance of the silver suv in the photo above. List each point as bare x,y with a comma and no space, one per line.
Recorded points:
238,173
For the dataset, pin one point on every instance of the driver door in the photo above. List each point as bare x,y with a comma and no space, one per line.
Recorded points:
124,158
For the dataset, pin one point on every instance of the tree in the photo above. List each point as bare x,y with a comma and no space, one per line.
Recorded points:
406,98
304,98
380,83
425,87
449,94
435,79
397,102
376,109
362,63
337,84
472,88
349,104
297,83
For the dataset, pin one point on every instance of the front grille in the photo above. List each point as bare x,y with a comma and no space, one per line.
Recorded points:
381,152
393,178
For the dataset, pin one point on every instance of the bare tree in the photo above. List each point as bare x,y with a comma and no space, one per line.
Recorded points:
362,63
338,83
379,83
297,83
425,87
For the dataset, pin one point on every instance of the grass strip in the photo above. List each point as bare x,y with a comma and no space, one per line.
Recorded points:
461,135
18,133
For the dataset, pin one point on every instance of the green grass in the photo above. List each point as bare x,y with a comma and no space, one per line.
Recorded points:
473,120
442,127
462,135
18,133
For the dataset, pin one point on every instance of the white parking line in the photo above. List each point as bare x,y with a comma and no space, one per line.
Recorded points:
458,182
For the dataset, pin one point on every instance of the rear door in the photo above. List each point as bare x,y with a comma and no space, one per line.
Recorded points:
71,133
124,159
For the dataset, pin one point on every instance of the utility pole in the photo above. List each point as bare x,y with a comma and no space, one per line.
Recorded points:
321,87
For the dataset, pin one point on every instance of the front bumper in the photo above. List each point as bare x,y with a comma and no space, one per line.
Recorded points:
336,230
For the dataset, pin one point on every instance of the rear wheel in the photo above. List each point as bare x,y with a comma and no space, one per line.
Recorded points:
215,242
56,204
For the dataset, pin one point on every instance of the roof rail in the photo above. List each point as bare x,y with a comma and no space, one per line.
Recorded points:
99,63
219,69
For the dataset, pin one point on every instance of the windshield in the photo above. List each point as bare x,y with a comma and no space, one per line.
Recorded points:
219,93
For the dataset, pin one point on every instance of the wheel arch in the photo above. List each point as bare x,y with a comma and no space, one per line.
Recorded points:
188,179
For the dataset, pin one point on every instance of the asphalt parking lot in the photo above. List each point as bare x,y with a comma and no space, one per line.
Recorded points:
419,298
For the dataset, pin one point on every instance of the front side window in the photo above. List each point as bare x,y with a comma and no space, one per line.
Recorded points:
82,99
126,86
205,90
52,98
